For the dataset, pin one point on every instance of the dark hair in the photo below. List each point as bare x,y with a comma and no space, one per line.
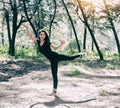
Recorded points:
46,35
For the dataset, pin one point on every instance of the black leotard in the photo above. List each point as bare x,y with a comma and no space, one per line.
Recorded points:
46,50
54,59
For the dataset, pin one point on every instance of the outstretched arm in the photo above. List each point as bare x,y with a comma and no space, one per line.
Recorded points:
55,47
29,33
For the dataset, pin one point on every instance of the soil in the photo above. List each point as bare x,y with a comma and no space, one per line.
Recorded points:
26,83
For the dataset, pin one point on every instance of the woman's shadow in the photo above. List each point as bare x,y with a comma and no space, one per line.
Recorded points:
58,101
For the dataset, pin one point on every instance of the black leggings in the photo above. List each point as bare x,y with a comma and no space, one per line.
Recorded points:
54,67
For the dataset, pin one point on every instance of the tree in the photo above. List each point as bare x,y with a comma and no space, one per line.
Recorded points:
110,19
85,37
11,15
79,49
28,18
90,30
52,13
41,12
3,30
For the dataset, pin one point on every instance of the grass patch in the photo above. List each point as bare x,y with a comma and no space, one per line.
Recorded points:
2,95
9,87
111,60
74,73
21,53
74,84
102,92
39,77
105,64
109,66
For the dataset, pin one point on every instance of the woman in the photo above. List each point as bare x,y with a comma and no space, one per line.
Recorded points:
45,46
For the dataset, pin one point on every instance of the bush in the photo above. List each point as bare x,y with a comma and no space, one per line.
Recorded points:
26,52
71,48
3,50
21,53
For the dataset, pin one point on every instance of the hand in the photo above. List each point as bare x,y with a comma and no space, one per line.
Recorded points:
62,42
26,24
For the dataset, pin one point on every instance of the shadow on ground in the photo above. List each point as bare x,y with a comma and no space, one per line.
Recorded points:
108,64
9,69
18,68
58,101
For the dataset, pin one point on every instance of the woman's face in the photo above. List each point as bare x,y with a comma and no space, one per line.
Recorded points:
42,36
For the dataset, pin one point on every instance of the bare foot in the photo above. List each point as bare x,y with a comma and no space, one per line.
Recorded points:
52,94
81,54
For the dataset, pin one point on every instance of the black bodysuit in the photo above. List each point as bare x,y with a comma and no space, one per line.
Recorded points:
46,50
54,58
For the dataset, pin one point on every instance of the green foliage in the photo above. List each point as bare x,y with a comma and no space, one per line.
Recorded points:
3,49
73,73
9,87
109,66
2,95
23,53
112,60
39,77
72,47
26,52
91,54
111,55
102,92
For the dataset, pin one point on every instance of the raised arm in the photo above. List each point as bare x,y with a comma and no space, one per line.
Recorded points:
55,47
29,33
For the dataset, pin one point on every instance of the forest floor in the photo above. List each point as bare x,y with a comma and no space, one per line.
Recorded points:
84,84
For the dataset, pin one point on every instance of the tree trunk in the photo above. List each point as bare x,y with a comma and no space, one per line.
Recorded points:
92,46
91,32
116,36
8,27
29,20
52,19
79,49
113,27
85,36
11,49
12,33
3,31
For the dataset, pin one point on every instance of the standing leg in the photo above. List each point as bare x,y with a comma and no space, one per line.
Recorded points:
54,69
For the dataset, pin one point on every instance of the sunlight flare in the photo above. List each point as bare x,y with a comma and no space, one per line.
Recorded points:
96,2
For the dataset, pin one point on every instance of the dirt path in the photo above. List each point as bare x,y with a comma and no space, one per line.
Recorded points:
93,88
